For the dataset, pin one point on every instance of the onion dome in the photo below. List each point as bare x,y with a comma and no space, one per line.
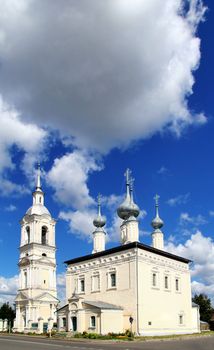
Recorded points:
157,222
100,220
124,210
135,211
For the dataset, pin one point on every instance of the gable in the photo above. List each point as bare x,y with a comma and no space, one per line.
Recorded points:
21,297
47,297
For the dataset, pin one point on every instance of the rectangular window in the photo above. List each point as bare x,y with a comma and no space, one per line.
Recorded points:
177,284
166,282
82,285
64,322
93,321
154,280
25,279
113,279
96,282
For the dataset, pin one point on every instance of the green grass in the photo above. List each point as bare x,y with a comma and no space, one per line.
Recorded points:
175,336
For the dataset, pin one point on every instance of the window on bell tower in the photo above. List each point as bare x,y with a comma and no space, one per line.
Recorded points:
25,279
28,234
44,235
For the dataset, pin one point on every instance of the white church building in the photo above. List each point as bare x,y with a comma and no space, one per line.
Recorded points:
132,286
36,301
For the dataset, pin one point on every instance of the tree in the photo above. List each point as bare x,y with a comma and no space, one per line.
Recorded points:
204,303
6,312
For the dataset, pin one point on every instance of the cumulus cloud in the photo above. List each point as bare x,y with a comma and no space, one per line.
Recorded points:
200,249
27,137
69,176
186,218
105,73
80,222
8,288
180,199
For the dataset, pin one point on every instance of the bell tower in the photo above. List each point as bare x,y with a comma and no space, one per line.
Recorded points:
36,301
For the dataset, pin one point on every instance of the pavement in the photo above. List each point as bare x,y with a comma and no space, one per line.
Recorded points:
14,342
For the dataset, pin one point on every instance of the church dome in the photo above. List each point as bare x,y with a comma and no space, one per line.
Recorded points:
134,211
125,209
38,209
157,223
100,220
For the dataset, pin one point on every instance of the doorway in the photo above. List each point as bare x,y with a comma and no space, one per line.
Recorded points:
74,323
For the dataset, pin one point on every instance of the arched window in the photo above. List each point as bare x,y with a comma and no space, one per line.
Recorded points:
43,254
28,234
44,235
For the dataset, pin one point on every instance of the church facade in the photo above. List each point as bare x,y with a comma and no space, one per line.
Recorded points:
36,300
133,286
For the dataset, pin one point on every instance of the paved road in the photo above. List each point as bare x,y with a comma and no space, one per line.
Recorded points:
27,343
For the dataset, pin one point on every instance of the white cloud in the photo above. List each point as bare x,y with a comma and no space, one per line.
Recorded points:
10,208
27,137
211,213
8,288
104,73
163,170
199,249
80,222
180,199
197,220
69,176
61,282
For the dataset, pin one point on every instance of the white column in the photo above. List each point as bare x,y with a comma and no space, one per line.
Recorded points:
40,324
17,316
157,239
69,321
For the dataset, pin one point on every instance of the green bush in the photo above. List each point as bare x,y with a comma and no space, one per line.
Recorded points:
78,335
93,336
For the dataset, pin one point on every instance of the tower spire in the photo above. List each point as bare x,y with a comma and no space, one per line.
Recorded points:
99,233
38,179
127,175
124,209
38,194
100,220
157,223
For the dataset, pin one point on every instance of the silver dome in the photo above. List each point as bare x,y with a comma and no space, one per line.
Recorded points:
124,210
128,208
157,222
100,220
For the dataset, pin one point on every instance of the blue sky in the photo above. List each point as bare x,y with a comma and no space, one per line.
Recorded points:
89,103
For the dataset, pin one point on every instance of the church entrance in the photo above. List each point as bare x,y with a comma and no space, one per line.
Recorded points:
74,323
